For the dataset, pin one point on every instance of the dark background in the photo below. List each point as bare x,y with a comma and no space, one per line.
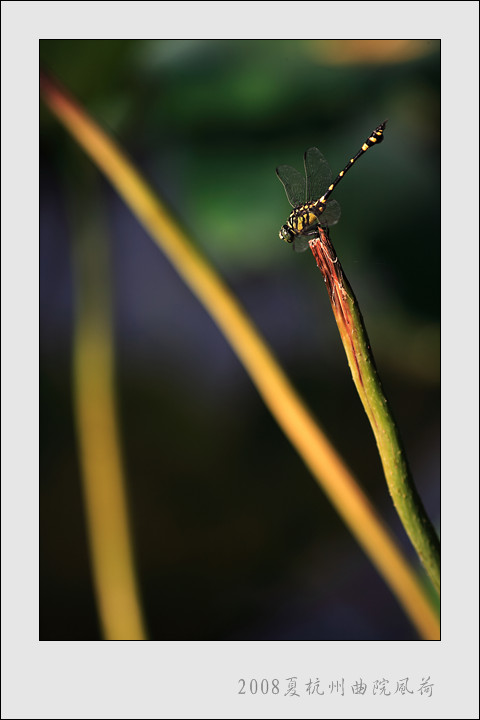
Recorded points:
233,538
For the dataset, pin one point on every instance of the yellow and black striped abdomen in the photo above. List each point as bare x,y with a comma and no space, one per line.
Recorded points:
375,138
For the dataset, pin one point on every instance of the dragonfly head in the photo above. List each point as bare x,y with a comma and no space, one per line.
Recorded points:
286,234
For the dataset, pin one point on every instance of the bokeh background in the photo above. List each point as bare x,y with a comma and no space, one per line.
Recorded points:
233,538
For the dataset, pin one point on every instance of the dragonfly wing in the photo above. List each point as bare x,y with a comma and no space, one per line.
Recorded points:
331,214
300,244
294,184
317,172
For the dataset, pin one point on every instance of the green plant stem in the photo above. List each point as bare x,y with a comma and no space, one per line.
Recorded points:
365,376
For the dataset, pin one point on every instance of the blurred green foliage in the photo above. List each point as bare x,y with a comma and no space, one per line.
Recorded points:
210,120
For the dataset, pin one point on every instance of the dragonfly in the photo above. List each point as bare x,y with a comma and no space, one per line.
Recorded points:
309,195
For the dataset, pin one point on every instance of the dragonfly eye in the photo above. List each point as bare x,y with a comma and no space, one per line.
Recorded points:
286,234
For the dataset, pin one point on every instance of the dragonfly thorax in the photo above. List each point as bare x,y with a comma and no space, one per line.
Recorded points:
303,220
